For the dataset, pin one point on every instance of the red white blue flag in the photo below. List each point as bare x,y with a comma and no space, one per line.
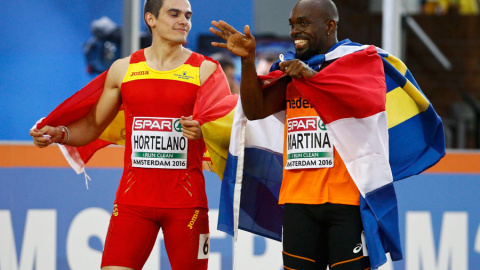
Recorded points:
381,124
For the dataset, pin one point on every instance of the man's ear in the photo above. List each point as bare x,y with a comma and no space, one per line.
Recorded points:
330,26
150,19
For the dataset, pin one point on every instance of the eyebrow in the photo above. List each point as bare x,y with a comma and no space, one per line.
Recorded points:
302,18
298,18
189,12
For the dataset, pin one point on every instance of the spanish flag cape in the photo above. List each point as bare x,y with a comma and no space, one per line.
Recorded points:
378,119
214,109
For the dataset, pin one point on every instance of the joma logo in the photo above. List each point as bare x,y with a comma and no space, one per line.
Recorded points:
138,73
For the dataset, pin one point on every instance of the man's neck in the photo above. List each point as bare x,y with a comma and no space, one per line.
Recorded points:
164,56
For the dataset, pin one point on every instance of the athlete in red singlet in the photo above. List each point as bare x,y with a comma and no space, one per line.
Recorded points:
162,185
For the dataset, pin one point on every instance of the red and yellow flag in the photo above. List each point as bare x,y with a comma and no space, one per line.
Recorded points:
213,109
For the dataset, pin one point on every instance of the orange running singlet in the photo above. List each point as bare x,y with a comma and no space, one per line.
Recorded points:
313,171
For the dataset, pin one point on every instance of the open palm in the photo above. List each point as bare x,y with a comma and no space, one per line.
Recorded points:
239,44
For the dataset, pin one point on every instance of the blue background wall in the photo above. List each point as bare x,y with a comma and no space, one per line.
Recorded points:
41,51
439,220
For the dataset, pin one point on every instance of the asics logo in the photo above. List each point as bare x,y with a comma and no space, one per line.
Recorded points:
357,248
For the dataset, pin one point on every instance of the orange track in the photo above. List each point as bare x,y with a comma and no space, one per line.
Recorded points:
12,155
27,155
458,162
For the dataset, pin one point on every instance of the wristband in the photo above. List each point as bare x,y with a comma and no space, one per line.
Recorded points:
68,135
63,135
64,130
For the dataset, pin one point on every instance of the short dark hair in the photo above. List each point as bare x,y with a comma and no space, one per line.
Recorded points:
152,6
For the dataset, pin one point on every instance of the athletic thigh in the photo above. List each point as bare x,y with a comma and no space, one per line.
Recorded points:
304,239
187,238
346,248
131,236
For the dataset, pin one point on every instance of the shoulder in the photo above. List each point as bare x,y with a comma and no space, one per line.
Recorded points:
119,67
117,71
209,65
207,68
120,64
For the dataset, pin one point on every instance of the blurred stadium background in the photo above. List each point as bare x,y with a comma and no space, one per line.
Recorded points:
50,49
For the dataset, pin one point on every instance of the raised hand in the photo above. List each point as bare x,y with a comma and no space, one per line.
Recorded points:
239,44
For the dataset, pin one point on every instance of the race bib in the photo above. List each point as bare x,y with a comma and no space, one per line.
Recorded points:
308,144
158,143
203,246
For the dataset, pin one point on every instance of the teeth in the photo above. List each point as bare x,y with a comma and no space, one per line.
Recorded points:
300,42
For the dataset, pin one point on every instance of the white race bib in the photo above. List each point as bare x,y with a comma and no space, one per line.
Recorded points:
158,143
308,144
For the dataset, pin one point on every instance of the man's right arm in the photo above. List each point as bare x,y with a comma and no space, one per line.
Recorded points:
258,103
89,127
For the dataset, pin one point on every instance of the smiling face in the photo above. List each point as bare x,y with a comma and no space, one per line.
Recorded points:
173,22
311,27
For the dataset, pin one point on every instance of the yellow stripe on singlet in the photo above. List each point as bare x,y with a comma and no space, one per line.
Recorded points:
184,73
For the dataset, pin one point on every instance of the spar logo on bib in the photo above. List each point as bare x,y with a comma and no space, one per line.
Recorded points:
302,124
152,124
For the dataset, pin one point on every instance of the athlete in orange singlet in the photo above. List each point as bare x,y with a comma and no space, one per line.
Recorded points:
321,220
